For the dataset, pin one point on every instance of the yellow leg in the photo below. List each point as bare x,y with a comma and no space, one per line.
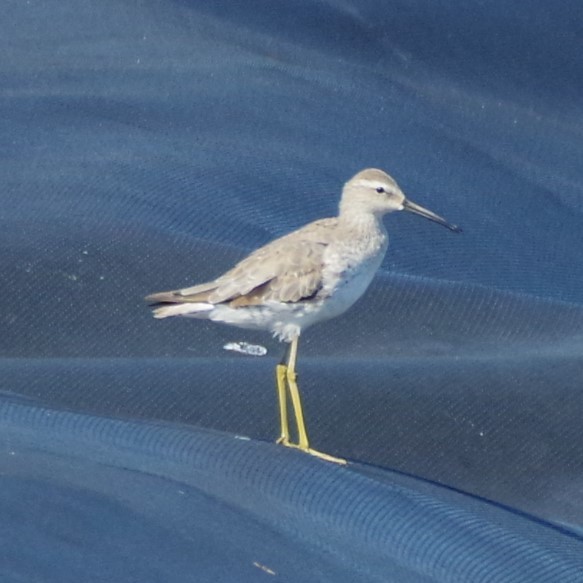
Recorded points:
288,373
280,375
294,393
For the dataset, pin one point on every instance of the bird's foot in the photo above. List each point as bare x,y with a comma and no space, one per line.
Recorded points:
326,457
314,452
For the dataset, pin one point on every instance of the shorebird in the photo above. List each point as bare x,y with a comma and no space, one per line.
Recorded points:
308,276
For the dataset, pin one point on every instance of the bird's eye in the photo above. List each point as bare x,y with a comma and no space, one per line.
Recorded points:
380,189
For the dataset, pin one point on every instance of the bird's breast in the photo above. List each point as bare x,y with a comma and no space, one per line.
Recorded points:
349,270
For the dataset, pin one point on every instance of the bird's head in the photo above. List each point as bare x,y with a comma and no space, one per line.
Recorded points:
374,191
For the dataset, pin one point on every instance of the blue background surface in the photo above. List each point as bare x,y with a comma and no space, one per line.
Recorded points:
148,145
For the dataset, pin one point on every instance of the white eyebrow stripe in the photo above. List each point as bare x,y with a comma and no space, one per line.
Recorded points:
373,183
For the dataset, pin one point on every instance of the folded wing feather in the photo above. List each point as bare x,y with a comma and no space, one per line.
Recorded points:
286,270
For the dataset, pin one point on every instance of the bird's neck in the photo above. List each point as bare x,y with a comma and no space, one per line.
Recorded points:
362,222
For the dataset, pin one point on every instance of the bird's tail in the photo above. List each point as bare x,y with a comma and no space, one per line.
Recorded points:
193,310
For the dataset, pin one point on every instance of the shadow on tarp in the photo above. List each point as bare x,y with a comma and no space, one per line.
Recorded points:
98,499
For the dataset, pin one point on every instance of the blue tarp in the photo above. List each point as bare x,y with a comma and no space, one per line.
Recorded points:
149,145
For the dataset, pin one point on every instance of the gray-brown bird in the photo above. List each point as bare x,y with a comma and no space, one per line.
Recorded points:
311,275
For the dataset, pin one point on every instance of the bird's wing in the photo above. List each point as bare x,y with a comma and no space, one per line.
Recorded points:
287,270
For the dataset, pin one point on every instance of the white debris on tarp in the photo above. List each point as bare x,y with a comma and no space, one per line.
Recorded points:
246,348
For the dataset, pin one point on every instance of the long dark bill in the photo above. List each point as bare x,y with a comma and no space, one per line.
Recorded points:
423,212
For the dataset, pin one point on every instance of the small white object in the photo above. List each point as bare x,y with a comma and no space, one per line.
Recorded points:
246,348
